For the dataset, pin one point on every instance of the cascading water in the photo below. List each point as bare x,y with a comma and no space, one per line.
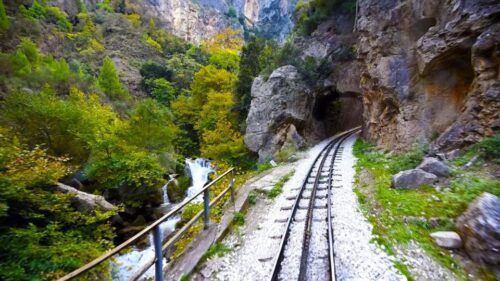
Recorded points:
199,169
125,265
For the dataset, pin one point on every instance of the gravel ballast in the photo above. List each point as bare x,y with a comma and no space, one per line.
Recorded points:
256,244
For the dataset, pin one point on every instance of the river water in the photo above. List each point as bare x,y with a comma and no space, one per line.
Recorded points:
125,265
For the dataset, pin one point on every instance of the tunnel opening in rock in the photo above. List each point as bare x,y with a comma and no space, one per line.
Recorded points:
447,83
338,111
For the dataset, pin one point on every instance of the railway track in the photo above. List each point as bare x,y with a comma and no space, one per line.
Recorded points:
306,248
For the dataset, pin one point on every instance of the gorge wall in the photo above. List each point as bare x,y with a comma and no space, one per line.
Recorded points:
430,71
195,20
427,71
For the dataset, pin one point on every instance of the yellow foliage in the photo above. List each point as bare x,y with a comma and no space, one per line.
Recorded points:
227,39
134,19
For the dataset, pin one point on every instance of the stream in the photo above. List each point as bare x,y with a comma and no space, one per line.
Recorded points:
125,264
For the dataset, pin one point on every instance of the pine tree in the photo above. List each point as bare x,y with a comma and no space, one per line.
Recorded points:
109,81
4,21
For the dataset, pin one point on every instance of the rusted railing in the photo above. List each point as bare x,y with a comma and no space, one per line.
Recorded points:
155,229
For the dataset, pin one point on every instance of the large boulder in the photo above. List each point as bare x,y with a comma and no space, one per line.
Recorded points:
479,227
434,166
412,179
280,112
447,239
85,202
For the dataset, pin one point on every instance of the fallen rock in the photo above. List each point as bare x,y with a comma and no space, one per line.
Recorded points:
85,202
447,239
412,179
434,166
479,226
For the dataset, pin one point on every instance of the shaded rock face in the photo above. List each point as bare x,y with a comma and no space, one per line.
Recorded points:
281,111
479,227
429,69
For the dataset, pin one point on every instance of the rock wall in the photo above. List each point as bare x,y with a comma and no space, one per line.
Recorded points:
430,71
195,20
290,108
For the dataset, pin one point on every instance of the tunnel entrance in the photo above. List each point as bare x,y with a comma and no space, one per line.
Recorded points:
338,111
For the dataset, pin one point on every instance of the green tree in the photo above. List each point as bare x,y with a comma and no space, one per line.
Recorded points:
161,90
210,78
150,127
224,144
42,237
4,20
109,82
251,64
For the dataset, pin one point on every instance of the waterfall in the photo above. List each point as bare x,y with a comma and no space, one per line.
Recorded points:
198,170
125,265
166,200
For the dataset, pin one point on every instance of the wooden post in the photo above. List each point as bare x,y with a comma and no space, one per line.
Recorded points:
158,253
206,208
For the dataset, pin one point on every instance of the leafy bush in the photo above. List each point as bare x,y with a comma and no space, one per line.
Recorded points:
4,20
217,249
41,235
491,148
238,219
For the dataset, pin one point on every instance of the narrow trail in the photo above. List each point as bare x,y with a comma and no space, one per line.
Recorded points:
257,245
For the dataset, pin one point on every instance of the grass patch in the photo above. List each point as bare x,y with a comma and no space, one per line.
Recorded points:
238,219
387,208
278,187
217,249
263,167
252,198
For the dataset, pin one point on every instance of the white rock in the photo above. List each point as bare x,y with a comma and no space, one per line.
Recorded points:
447,239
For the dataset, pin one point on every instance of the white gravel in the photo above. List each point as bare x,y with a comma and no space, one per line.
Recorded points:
356,258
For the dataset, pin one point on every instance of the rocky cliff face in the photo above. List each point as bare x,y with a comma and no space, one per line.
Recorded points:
430,69
195,20
289,108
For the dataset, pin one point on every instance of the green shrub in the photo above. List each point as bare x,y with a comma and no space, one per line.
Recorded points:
238,219
278,187
491,148
217,249
252,198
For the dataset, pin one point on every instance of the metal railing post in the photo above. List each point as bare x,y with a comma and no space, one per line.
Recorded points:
231,184
158,253
206,208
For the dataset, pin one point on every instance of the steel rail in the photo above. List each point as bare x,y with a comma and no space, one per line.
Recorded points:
309,215
143,232
280,256
331,254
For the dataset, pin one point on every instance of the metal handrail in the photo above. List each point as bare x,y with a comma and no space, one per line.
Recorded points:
155,228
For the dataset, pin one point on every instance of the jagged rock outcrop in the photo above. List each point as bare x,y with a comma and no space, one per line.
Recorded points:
479,227
281,111
430,69
333,100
